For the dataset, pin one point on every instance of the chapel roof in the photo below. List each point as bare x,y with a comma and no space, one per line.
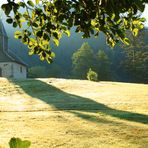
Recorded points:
5,54
2,29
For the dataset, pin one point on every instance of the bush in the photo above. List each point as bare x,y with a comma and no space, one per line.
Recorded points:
37,72
18,143
92,75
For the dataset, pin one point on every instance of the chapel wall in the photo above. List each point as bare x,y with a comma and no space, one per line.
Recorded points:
19,71
6,69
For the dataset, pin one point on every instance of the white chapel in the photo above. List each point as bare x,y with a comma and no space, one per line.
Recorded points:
11,66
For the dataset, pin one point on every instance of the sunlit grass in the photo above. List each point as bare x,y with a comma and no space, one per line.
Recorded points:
74,113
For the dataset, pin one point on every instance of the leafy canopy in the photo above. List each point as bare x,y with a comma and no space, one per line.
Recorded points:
47,20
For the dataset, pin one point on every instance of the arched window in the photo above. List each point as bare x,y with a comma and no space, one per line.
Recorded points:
0,72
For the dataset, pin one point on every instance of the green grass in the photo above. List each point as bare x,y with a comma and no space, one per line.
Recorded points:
74,113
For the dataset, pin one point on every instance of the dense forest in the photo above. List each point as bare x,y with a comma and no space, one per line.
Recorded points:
123,63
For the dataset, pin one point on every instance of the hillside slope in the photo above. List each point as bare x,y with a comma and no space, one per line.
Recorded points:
74,113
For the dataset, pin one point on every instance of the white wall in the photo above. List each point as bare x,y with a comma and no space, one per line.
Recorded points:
13,70
6,68
19,71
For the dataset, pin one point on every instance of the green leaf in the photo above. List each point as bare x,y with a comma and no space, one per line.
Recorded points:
17,34
126,41
9,20
52,54
25,39
39,34
125,22
25,15
31,52
140,6
56,41
18,143
30,3
7,8
22,20
22,4
15,24
55,10
135,31
46,37
35,24
18,16
93,23
15,8
142,19
45,42
41,56
113,16
55,34
67,32
111,42
37,2
141,26
49,60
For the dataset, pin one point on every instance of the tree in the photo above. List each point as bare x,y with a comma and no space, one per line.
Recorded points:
47,20
135,61
82,60
102,65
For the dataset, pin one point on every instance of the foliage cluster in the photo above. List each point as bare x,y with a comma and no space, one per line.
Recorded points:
48,20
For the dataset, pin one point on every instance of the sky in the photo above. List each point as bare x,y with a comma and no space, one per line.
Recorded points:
145,14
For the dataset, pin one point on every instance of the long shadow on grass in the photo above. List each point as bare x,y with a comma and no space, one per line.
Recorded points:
73,103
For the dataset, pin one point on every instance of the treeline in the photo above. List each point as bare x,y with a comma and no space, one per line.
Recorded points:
124,63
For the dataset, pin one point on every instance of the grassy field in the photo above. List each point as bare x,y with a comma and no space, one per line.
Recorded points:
61,113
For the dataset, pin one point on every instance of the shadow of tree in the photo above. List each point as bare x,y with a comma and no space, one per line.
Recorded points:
73,103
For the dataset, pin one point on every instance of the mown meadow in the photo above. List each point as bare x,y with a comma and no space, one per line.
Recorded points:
74,113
